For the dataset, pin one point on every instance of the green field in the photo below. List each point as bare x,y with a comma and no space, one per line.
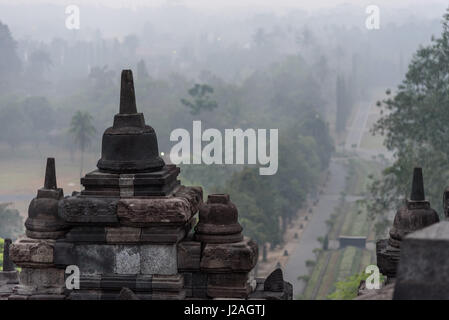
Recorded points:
349,219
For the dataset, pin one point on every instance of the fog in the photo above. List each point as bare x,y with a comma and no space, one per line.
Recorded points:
314,70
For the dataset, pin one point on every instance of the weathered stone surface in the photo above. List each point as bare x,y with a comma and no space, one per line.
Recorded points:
63,253
144,282
80,210
8,277
218,221
90,282
423,271
42,278
95,258
199,285
158,259
85,295
229,257
127,260
155,211
228,285
164,234
168,287
116,282
274,282
189,255
126,185
194,195
123,235
26,252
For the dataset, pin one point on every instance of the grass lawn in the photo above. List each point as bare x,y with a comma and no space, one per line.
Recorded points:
22,172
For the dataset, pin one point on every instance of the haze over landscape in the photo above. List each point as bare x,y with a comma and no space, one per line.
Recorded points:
311,69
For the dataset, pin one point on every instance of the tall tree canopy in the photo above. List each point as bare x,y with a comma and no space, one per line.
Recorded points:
415,126
10,64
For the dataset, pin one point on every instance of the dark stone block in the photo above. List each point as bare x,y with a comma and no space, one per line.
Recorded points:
63,253
188,282
95,259
117,282
387,258
189,255
167,283
199,279
85,295
90,282
81,210
8,265
87,235
229,257
105,184
228,285
127,294
275,281
199,285
144,283
162,235
47,297
8,277
423,271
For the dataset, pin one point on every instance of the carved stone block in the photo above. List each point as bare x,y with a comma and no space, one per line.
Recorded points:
229,257
26,252
155,211
80,210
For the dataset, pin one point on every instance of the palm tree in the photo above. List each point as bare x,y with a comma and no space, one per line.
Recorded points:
82,131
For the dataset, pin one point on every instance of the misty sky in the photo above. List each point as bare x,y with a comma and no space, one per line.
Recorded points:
304,4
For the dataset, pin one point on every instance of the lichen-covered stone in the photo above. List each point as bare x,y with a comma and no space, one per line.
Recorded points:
158,259
127,260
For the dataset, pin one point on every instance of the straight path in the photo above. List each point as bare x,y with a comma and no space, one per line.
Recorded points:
316,227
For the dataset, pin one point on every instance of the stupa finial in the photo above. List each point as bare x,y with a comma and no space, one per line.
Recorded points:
127,94
417,186
50,175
